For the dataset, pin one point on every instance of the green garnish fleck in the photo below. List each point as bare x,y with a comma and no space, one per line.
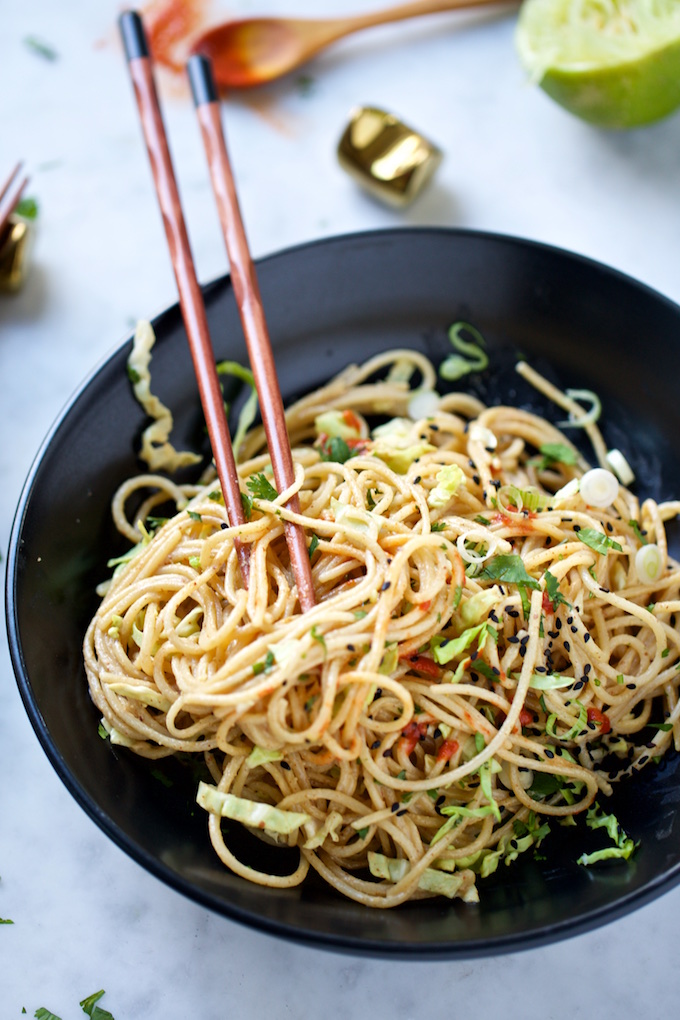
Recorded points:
261,487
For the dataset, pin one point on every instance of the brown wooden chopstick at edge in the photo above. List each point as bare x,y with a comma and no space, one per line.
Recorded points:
190,297
249,301
10,194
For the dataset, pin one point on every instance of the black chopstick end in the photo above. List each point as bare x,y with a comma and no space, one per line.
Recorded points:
203,86
133,35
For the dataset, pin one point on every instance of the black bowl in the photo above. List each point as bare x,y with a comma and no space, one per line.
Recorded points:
330,303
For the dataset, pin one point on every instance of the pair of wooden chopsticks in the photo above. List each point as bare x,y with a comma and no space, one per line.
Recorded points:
245,285
10,194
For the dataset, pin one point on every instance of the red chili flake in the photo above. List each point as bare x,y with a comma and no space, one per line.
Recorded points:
411,735
424,606
521,525
423,664
600,719
526,718
547,605
447,750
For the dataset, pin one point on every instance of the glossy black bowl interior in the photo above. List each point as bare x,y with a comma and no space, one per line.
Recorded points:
327,304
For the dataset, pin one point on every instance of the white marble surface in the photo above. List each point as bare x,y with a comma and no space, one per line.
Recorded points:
85,916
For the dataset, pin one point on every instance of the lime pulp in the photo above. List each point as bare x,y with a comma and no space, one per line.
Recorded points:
614,63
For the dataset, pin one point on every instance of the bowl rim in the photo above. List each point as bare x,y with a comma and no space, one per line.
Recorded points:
337,941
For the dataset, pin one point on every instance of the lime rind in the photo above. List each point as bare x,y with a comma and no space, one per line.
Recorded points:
615,63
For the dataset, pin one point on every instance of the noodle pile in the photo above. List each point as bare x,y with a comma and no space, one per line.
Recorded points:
483,659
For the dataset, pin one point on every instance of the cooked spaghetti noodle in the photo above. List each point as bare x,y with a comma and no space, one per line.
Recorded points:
487,653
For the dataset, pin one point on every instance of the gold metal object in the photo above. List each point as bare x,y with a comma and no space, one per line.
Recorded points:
387,157
14,246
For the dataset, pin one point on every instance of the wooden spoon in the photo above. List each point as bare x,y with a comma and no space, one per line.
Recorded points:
253,51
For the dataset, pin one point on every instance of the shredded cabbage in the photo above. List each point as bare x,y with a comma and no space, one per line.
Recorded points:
249,812
156,449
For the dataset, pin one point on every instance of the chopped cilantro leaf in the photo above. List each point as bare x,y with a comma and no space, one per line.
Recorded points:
89,1006
555,453
261,487
27,208
552,587
247,504
335,449
313,545
510,569
597,540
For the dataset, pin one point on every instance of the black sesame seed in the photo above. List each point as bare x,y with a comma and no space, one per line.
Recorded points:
434,428
514,613
577,527
387,753
476,479
586,637
395,807
224,526
285,765
386,585
351,648
570,619
513,639
553,634
587,668
522,650
558,624
375,745
643,759
402,812
549,754
417,479
630,687
567,646
574,630
610,526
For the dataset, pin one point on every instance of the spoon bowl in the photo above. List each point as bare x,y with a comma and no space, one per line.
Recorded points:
253,51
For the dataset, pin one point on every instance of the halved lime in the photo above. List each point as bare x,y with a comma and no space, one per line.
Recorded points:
615,63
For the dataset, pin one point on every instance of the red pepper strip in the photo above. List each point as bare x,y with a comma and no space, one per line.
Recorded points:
423,664
351,420
410,736
600,719
447,750
547,605
526,718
